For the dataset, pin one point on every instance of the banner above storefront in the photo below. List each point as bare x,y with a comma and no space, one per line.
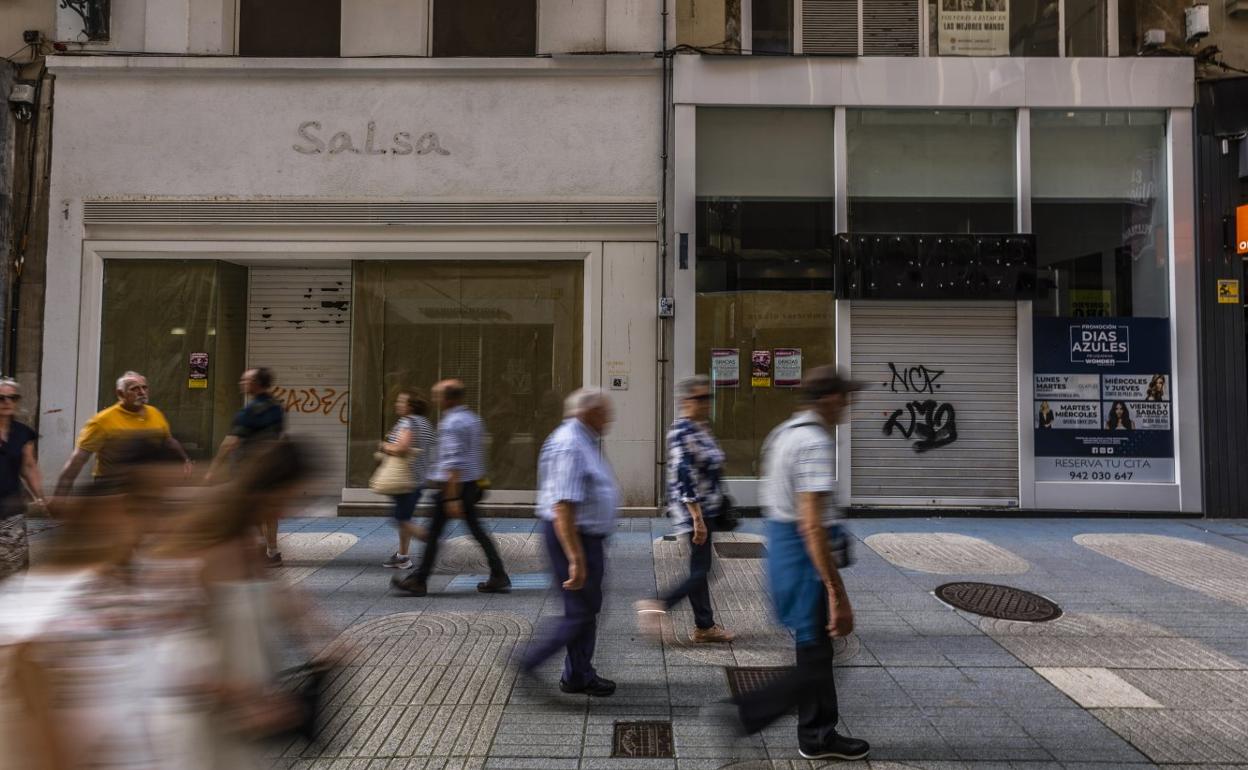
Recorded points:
1102,410
974,28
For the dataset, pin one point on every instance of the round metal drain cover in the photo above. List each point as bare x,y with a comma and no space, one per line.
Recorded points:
1001,602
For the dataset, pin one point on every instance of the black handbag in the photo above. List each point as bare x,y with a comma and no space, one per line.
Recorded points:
727,519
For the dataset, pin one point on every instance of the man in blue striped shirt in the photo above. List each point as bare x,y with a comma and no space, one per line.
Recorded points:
460,464
578,500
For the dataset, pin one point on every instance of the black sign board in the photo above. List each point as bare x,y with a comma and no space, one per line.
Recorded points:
938,266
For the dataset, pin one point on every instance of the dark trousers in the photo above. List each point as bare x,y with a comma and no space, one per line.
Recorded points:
469,496
809,685
577,630
696,588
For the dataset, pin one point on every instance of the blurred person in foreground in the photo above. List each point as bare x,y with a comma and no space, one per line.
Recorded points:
412,437
577,499
73,634
695,499
798,494
456,474
224,622
130,417
18,469
261,421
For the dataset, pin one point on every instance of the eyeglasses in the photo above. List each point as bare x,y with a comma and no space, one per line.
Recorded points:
13,398
699,397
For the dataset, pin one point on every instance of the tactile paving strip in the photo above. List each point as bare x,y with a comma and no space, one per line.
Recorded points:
739,595
418,685
520,553
946,553
1207,569
305,552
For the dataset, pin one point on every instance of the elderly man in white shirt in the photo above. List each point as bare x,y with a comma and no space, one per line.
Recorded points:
578,500
804,546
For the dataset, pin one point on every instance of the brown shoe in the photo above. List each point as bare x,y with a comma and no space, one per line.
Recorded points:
712,635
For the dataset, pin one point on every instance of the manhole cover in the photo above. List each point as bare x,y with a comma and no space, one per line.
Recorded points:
1000,602
742,680
740,550
643,740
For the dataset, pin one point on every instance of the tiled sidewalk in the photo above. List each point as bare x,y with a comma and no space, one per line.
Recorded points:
1149,663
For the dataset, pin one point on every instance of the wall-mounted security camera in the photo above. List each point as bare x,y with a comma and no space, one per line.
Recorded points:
22,101
1196,20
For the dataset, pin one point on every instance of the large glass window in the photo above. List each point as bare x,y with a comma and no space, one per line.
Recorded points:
155,315
1098,211
510,330
764,266
485,28
931,171
289,27
771,26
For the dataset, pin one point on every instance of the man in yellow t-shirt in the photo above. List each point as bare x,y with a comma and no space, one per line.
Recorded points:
130,418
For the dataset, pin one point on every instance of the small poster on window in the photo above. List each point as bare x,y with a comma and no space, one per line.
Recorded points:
197,378
974,28
760,369
788,367
725,367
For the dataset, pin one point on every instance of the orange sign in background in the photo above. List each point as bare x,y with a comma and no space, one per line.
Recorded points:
1241,230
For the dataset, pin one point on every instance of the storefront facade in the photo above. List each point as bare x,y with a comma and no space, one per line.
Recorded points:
1002,248
360,226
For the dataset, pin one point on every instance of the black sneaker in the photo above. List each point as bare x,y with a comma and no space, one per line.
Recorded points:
409,584
495,585
597,687
840,747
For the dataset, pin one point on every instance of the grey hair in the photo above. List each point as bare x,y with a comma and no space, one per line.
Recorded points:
9,382
123,379
582,400
689,384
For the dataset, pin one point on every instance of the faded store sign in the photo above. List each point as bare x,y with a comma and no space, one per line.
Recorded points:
931,423
315,139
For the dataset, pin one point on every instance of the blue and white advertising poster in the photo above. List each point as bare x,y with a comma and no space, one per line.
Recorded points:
1102,409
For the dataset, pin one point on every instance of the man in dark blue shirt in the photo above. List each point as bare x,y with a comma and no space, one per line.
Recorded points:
261,420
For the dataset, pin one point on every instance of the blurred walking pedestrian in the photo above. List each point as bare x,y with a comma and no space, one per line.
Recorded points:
411,437
577,500
798,493
131,417
695,499
261,420
19,478
459,468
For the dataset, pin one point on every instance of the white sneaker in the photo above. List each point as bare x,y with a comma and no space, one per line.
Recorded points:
397,562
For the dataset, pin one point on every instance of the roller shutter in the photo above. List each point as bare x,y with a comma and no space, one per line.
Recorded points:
830,27
299,325
946,374
890,28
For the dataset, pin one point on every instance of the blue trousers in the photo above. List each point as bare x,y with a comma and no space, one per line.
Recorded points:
577,630
696,588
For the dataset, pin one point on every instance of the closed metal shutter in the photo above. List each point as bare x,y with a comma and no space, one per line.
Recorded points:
946,374
830,27
890,28
299,325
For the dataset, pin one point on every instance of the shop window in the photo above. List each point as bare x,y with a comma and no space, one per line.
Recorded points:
512,331
1087,31
771,26
765,284
289,27
155,315
485,28
1098,211
931,171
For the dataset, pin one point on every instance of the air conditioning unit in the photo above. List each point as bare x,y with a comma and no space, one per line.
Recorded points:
888,27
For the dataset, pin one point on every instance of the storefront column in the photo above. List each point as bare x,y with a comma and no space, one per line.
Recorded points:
1179,135
684,238
1026,432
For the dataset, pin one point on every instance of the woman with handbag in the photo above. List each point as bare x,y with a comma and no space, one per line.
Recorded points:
411,440
696,503
18,470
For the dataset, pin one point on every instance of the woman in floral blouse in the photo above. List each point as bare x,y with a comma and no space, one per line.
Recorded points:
695,498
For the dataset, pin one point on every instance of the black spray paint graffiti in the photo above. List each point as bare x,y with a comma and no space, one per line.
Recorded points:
934,424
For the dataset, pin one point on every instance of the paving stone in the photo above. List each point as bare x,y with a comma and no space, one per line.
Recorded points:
946,553
521,552
1208,569
1201,690
1172,736
1097,688
303,553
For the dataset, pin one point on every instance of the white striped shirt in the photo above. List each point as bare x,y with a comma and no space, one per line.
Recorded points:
572,469
798,456
461,439
423,443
